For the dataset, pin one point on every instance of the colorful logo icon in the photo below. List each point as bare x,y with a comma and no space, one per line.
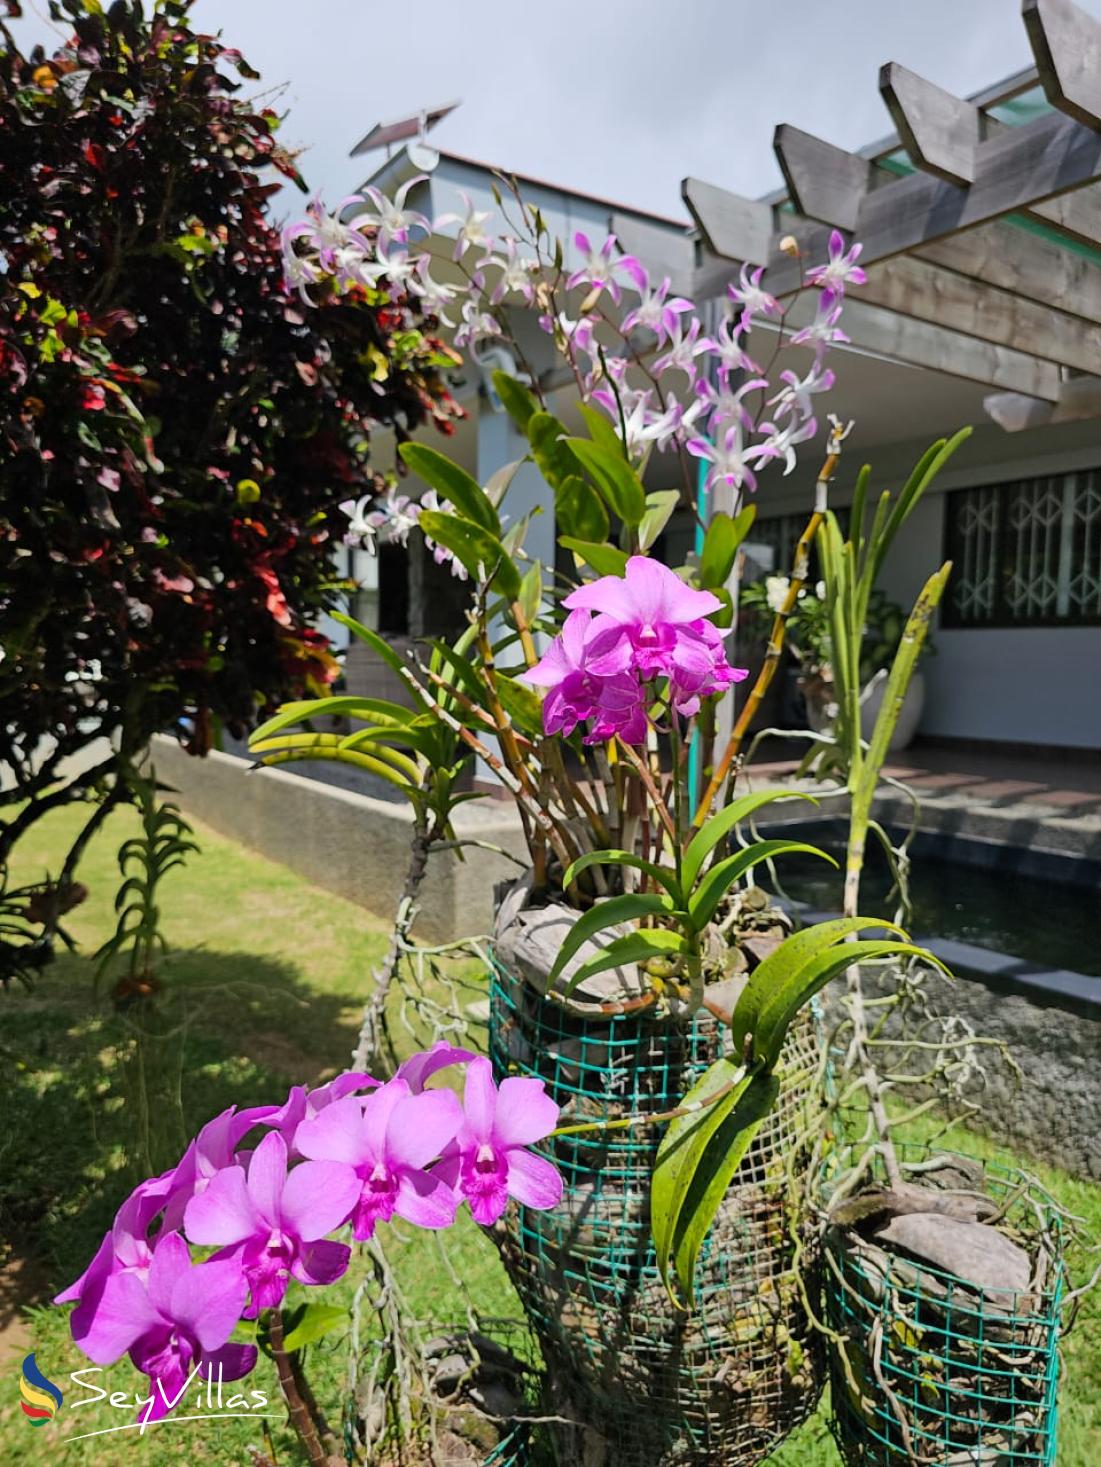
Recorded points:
41,1398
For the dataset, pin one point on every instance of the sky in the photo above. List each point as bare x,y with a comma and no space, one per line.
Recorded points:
619,98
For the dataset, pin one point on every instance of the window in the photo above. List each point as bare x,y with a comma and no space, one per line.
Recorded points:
1025,554
781,534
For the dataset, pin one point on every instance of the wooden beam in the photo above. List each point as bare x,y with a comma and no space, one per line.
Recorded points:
940,132
1014,259
927,292
736,228
1066,43
1079,400
824,182
661,250
1019,167
901,338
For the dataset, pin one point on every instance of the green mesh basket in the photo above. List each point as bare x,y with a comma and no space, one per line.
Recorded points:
725,1382
940,1372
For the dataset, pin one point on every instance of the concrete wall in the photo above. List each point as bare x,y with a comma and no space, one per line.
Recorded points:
348,843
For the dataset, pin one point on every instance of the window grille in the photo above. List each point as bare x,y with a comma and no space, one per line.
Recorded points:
1026,553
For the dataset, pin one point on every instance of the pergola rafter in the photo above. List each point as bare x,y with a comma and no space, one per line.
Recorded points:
953,283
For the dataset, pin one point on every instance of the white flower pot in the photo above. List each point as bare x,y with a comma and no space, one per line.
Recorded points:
908,719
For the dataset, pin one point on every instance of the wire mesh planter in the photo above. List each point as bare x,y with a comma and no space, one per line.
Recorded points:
940,1371
651,1384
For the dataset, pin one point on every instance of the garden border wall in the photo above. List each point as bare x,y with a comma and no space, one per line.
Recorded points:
347,843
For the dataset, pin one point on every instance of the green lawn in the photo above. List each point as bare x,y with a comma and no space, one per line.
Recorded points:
263,989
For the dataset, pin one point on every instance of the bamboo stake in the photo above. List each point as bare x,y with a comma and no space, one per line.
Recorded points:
779,625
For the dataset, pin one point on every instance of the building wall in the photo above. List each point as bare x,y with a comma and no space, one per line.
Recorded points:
1020,685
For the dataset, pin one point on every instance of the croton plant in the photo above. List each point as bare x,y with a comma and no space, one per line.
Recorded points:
176,429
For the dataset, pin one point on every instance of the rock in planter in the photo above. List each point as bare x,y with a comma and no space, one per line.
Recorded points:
652,1384
951,1314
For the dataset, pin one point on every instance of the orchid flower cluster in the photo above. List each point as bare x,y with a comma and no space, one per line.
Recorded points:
351,1152
636,349
622,634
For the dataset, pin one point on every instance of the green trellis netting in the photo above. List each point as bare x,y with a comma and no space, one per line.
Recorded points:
652,1384
941,1372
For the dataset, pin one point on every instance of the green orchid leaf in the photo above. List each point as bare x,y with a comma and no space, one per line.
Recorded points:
550,449
721,544
696,1162
607,914
664,875
719,826
519,402
579,510
606,560
476,548
453,483
659,509
717,881
602,430
635,947
782,1004
312,1322
614,477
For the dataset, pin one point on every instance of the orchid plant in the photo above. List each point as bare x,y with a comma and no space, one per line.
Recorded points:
596,702
266,1188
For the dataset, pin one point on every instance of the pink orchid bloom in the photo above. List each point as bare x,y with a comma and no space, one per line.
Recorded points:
386,1146
780,442
656,313
477,325
598,268
214,1148
700,667
725,406
419,1068
673,425
842,268
823,330
177,1321
517,274
729,351
684,348
586,670
727,457
303,1103
795,396
391,219
753,300
472,229
647,604
271,1223
488,1162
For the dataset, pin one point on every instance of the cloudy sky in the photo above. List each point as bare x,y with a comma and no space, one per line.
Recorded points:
619,99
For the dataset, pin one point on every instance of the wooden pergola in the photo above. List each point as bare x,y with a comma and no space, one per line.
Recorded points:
981,233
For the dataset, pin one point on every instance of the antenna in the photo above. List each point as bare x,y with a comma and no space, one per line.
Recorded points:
421,153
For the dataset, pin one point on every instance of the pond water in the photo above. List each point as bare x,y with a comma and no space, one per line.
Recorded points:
1050,923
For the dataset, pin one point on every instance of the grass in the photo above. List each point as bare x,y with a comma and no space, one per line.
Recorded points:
263,989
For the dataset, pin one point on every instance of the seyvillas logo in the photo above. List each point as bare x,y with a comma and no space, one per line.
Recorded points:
41,1399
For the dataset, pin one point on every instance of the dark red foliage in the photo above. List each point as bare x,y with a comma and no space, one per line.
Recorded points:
176,431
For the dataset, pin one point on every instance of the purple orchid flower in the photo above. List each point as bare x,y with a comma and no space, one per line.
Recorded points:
391,219
753,299
213,1149
302,1103
683,349
598,268
656,312
175,1324
488,1162
385,1147
273,1224
823,331
842,268
419,1068
648,604
728,459
587,673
